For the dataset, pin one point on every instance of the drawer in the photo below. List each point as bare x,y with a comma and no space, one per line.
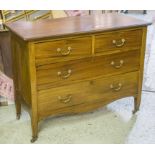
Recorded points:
63,73
118,41
88,92
65,49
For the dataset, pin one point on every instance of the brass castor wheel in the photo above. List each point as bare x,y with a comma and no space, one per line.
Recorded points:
134,111
18,116
33,139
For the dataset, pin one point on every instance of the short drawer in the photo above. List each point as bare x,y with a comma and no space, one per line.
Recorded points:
88,92
118,41
63,73
65,49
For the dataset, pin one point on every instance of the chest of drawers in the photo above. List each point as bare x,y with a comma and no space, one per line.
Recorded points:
77,64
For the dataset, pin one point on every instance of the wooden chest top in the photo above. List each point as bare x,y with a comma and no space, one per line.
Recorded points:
47,28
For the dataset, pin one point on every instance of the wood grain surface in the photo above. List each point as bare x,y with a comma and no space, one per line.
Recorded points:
73,25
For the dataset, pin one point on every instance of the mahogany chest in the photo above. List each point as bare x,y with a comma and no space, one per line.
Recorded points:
76,64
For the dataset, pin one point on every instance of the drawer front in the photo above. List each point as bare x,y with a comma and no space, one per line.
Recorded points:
88,92
118,40
63,73
66,49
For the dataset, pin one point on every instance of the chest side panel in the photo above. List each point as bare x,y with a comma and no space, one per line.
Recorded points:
21,68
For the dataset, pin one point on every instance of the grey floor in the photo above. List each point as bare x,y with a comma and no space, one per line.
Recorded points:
112,124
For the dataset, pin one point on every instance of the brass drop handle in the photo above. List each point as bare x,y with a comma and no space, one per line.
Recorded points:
117,88
119,43
64,53
65,75
121,62
65,99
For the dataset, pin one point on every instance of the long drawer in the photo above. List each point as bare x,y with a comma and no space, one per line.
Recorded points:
63,73
118,41
87,92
